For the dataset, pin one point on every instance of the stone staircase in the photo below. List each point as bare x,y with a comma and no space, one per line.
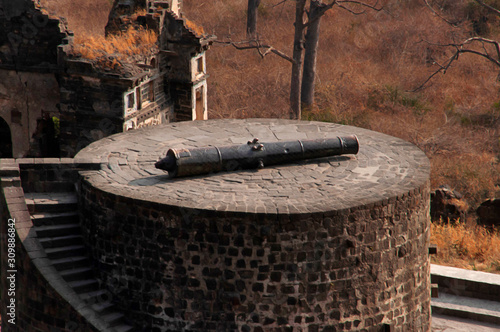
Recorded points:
466,294
55,220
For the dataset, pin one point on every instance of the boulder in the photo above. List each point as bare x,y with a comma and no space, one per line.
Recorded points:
489,213
448,205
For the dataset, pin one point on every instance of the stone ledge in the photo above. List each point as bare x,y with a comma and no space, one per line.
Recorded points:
468,283
85,163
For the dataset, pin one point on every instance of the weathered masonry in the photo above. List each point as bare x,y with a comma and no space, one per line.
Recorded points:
43,79
339,243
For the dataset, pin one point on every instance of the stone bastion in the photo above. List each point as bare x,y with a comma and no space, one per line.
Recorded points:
330,244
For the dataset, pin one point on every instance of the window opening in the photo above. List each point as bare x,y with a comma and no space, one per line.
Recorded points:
139,99
199,106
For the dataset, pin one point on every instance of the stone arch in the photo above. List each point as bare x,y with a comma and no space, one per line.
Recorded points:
5,139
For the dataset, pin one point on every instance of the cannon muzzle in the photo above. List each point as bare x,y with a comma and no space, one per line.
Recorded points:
254,154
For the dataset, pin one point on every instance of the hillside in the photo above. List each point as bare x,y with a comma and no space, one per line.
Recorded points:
366,65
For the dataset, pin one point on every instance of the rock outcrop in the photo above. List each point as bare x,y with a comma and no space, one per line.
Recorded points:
489,213
448,205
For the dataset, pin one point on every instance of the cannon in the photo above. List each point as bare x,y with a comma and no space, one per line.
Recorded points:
254,154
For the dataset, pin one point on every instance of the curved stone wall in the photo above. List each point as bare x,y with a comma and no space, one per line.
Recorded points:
189,254
35,296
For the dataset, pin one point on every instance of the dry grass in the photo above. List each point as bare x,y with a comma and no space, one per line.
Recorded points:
197,29
366,66
134,41
88,19
466,246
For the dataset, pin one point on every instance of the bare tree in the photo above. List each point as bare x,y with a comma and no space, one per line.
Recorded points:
302,23
486,48
253,6
298,47
311,50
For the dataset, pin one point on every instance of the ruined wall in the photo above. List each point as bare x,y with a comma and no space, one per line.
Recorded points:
40,78
24,96
153,104
29,37
185,66
29,62
91,107
177,269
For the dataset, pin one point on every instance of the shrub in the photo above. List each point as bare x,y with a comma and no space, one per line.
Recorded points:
466,246
134,41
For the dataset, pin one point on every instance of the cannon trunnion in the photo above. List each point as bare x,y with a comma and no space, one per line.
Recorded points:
212,159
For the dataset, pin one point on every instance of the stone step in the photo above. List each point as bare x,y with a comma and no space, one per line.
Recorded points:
466,307
113,318
84,286
69,263
54,218
67,251
60,241
51,202
467,283
123,328
77,274
103,307
58,230
96,296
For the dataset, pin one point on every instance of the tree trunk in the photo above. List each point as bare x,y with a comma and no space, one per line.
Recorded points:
253,5
298,46
311,50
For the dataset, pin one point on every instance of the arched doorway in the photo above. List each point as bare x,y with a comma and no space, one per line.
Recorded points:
5,140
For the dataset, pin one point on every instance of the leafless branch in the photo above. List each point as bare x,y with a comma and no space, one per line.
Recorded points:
362,4
438,15
340,3
493,9
256,45
279,3
462,48
352,11
442,68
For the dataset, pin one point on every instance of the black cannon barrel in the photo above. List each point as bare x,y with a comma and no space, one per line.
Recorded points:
212,159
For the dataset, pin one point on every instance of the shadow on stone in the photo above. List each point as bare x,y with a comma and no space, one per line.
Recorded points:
164,178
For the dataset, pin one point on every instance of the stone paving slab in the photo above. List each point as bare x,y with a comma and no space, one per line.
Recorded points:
384,168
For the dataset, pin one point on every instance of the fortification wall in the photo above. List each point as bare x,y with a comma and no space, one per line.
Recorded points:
185,269
333,244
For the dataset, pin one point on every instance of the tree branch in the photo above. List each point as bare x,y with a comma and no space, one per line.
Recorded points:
496,11
461,49
362,4
256,45
326,7
440,16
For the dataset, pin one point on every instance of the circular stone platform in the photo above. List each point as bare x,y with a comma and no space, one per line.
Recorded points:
332,244
384,167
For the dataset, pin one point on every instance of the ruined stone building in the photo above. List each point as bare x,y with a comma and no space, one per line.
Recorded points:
45,79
